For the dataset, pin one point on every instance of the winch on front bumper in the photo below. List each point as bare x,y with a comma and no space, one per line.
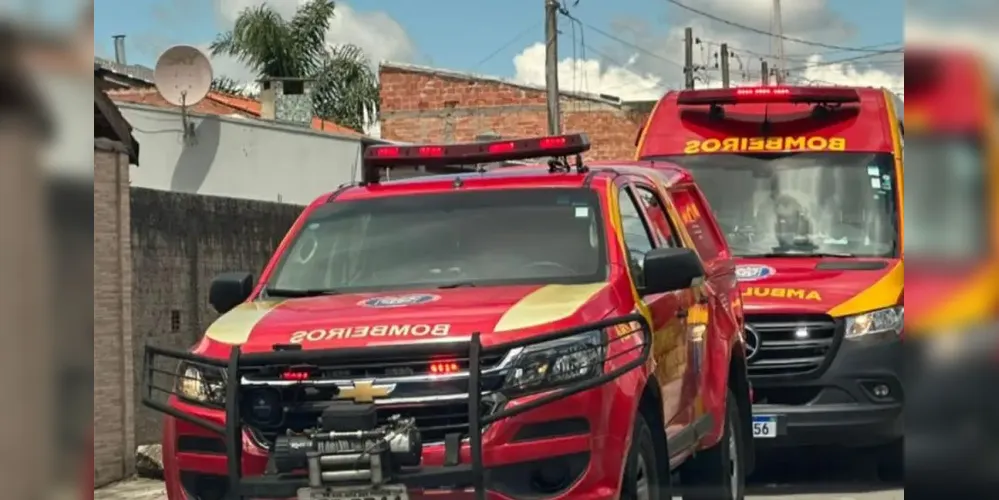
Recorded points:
348,452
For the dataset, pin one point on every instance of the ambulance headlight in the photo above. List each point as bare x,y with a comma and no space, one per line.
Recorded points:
557,362
200,384
882,322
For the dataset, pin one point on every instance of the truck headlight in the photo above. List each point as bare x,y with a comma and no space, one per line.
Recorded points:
556,362
886,321
200,384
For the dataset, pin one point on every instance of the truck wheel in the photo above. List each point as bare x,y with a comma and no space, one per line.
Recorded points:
641,473
718,473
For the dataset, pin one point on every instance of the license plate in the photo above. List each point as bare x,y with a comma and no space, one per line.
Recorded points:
386,492
764,427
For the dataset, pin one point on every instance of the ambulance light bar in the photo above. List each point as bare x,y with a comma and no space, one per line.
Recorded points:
476,152
742,95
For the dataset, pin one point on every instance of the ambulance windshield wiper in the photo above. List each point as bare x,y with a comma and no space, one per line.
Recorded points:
807,255
293,294
459,284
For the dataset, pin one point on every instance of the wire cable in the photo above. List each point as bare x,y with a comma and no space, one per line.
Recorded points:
767,33
506,45
638,48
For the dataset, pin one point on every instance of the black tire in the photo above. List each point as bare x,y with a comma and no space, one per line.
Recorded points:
644,464
709,474
891,462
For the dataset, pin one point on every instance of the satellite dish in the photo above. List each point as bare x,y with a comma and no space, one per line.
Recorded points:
183,75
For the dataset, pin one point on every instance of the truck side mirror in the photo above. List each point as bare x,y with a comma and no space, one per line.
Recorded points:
671,269
229,290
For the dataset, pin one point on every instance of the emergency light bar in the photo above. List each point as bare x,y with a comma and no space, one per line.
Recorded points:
742,95
476,152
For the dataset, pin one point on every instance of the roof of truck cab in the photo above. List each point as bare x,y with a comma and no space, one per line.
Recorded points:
514,177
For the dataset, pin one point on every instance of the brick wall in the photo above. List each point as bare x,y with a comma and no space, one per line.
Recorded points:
423,105
114,439
180,242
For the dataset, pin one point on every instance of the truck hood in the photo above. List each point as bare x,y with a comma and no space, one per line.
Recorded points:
501,314
838,287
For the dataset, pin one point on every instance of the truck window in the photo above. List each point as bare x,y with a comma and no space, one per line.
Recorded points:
692,213
658,217
636,235
481,238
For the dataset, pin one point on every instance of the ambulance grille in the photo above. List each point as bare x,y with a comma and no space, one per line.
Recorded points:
790,345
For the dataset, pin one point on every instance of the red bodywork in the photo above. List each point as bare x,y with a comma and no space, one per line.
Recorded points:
948,94
866,125
688,392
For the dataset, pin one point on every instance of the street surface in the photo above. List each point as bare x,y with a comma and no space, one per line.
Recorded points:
796,476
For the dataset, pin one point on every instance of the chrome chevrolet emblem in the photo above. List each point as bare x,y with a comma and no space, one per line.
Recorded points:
752,342
364,391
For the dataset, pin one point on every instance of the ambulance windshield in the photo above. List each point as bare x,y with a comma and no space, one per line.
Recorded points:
452,239
946,184
802,204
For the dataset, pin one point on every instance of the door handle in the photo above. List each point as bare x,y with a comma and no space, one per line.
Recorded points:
682,313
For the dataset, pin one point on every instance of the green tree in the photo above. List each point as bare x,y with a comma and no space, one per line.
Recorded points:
344,83
228,85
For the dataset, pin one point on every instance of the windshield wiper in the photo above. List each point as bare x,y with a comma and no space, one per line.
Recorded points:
460,284
293,294
807,255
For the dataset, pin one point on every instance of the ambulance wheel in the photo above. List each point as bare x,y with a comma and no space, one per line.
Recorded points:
718,473
642,472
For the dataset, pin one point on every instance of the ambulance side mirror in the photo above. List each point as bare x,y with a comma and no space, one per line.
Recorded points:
671,269
229,290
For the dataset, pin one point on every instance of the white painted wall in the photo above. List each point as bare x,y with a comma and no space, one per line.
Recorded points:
239,157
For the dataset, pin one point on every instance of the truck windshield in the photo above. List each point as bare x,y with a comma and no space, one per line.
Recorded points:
947,207
461,238
801,204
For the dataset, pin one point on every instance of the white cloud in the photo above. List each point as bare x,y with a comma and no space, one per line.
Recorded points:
973,36
633,74
379,35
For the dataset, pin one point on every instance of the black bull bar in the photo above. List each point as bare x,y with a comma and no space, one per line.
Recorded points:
631,333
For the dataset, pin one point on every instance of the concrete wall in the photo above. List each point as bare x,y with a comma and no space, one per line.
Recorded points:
239,158
179,243
424,105
114,438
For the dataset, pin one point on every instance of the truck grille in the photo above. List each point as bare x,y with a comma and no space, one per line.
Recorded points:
790,345
434,420
437,405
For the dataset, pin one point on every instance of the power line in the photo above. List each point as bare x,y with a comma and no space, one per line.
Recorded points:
626,43
516,38
767,33
848,59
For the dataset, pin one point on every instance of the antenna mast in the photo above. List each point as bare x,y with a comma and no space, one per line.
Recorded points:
779,35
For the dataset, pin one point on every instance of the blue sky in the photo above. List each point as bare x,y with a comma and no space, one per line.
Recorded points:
455,34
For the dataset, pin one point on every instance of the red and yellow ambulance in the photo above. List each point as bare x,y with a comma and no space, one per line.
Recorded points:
954,237
807,184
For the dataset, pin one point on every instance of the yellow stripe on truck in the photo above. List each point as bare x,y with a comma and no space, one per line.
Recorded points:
235,326
883,293
547,304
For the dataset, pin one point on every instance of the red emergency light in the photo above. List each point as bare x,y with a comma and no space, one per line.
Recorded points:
742,95
379,157
444,367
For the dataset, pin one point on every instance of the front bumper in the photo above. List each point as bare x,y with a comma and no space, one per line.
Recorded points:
577,451
844,404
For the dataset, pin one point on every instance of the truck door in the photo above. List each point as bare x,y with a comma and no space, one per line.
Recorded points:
670,344
715,299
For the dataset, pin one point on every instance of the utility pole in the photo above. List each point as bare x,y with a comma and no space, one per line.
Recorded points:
779,27
765,71
688,58
724,66
551,67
